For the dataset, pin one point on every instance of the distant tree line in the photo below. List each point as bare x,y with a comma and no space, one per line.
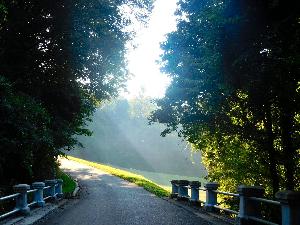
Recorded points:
58,61
122,137
235,91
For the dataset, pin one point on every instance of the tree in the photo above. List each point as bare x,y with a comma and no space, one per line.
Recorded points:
65,57
234,90
265,68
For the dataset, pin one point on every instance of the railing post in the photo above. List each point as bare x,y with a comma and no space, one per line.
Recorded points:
211,196
182,189
247,206
59,188
194,191
21,201
174,188
51,192
38,195
290,207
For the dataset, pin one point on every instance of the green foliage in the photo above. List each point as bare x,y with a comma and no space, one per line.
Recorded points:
131,177
234,90
163,179
141,107
25,133
69,184
58,61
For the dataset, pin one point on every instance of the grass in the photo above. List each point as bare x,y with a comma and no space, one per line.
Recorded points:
69,184
163,179
131,177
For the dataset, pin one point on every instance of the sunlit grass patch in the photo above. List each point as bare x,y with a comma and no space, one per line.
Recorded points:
69,184
163,179
131,177
167,188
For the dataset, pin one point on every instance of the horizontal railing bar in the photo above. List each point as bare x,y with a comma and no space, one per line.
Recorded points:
47,198
226,210
227,193
21,198
262,221
189,187
32,203
9,213
31,191
9,197
265,200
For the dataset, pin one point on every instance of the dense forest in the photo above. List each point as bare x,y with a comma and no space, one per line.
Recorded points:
234,95
58,61
235,91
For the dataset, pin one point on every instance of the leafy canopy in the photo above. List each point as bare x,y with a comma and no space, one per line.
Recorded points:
235,89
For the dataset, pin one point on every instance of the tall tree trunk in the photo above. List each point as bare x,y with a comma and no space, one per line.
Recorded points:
289,152
271,150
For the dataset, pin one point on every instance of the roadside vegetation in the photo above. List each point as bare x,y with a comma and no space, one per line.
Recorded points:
234,94
235,90
53,74
69,184
131,177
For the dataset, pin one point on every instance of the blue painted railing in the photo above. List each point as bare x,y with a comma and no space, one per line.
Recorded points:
42,191
250,198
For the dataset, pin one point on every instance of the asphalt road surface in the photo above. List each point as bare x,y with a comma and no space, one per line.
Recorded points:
108,200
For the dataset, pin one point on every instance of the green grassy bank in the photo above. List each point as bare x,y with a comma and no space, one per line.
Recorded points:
131,177
69,184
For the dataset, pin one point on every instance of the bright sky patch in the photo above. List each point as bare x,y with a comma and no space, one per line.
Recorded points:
147,78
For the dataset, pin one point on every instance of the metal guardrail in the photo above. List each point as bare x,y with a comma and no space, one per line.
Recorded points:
227,193
31,191
9,213
226,210
32,204
261,220
13,196
53,190
268,201
249,199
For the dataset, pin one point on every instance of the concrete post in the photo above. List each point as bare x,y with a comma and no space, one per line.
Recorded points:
183,190
38,195
249,207
21,201
211,196
290,207
194,191
51,190
59,191
174,188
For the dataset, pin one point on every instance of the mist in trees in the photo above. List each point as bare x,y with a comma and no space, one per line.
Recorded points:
122,137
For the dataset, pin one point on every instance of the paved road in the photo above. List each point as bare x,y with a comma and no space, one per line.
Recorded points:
108,200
